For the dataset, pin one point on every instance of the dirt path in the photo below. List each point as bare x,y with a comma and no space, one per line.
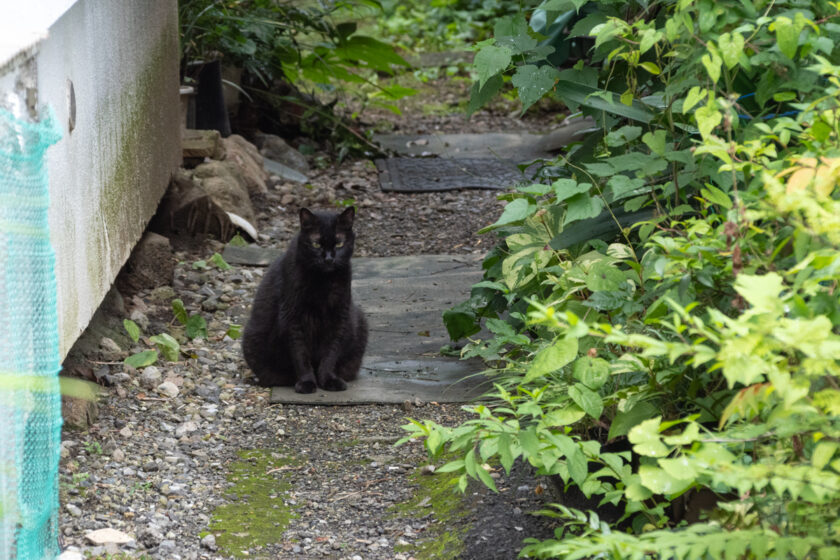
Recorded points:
191,461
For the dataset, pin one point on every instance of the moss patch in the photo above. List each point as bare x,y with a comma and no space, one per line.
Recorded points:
436,494
258,514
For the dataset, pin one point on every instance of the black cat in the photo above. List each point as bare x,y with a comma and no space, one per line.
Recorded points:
304,329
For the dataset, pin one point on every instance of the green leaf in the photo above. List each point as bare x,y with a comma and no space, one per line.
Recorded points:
505,456
604,276
622,186
563,416
823,453
716,196
552,358
237,241
762,292
712,63
515,211
196,327
372,53
731,47
567,188
694,96
180,311
132,328
625,420
787,35
581,207
485,477
234,331
200,265
481,95
655,141
708,118
602,100
651,67
623,135
451,466
588,400
167,345
220,262
532,82
660,482
645,439
489,61
592,372
142,359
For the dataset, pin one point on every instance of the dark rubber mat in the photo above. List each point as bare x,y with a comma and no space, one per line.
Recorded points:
405,174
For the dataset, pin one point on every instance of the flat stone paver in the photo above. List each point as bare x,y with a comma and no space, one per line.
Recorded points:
403,299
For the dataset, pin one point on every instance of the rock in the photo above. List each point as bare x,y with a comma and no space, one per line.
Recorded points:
169,389
140,318
150,265
284,171
151,376
150,536
163,294
225,185
275,148
79,403
71,554
246,156
200,144
109,350
118,455
73,510
126,432
186,428
209,542
107,535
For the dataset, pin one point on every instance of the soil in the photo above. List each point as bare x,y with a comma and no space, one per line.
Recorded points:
190,460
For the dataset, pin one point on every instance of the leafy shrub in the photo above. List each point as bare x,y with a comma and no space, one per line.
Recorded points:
664,300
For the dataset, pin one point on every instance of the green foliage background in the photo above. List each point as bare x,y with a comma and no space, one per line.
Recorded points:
663,300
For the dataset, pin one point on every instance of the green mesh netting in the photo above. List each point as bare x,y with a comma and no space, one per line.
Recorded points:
30,402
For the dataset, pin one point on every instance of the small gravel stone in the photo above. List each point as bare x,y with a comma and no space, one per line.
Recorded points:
73,510
209,542
169,389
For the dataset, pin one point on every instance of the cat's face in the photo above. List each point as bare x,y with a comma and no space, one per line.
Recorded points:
326,239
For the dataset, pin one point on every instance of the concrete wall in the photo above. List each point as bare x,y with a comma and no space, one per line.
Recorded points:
117,63
109,71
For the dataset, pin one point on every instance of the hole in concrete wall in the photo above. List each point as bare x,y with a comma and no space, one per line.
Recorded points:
71,106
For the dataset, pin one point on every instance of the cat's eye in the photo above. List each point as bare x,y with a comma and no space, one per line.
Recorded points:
316,244
339,244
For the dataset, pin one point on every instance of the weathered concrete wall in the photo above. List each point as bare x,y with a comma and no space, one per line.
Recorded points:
110,72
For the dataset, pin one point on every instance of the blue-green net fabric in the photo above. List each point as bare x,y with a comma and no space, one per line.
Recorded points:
30,401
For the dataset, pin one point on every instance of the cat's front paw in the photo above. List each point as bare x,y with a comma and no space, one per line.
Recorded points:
305,386
335,384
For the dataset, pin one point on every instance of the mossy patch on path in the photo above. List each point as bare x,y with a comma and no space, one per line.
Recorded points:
436,494
257,514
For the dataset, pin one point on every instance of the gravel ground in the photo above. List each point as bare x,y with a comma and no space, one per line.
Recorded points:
191,461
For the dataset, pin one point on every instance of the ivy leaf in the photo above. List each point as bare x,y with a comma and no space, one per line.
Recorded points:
712,63
196,327
489,61
132,328
645,438
694,96
708,118
731,47
660,482
622,186
587,399
592,372
552,358
142,359
655,141
787,35
581,207
167,345
532,82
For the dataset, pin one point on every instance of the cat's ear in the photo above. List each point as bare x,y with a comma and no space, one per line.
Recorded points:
345,219
308,220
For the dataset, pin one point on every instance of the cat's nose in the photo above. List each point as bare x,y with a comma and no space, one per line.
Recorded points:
329,257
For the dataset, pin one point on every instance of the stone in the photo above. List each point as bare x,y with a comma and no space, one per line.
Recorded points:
186,428
118,455
73,510
224,183
284,171
140,318
71,554
200,144
108,535
150,265
79,403
168,389
151,376
246,156
275,148
209,542
109,350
